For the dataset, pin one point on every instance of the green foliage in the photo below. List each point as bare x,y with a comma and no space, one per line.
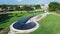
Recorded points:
54,6
18,8
4,17
27,8
37,6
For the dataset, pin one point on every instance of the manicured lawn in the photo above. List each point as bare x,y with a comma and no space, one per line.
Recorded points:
14,17
49,25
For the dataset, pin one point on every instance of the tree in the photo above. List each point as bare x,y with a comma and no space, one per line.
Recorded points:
54,6
27,8
4,7
37,6
4,17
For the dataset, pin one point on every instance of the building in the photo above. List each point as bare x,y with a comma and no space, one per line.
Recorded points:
1,9
44,6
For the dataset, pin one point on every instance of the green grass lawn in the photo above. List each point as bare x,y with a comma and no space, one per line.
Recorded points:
49,25
16,17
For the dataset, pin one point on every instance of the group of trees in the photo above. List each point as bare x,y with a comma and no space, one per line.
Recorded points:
4,17
19,7
26,8
54,6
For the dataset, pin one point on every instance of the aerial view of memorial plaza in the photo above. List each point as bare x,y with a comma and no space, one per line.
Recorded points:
29,17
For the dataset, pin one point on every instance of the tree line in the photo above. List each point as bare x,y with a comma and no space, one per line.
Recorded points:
54,6
19,7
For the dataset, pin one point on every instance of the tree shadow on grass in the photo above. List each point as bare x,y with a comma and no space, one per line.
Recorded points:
4,18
